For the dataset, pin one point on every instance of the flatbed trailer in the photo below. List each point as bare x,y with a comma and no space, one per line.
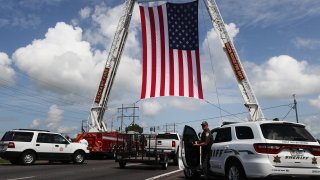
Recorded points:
131,148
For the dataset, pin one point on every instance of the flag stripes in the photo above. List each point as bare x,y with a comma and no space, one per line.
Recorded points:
166,71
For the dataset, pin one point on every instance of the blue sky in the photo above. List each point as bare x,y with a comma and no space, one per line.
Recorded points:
52,53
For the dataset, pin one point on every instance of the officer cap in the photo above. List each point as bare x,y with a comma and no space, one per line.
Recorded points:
204,123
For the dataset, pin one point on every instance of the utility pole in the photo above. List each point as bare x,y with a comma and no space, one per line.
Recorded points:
169,126
123,115
295,107
111,124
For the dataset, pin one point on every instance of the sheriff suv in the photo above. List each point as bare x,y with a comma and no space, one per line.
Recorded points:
254,150
25,146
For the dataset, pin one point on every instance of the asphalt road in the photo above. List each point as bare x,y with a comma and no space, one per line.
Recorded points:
92,169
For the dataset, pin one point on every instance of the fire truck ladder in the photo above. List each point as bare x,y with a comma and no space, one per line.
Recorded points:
100,103
250,100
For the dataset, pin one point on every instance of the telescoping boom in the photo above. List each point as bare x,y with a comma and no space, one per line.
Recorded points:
250,100
100,102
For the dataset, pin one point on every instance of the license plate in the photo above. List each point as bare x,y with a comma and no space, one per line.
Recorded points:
296,153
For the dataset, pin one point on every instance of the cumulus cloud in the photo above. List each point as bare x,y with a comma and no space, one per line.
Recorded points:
151,108
104,28
283,75
62,59
35,124
55,116
7,72
312,124
315,102
54,122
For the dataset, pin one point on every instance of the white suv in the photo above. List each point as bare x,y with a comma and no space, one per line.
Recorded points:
254,150
25,146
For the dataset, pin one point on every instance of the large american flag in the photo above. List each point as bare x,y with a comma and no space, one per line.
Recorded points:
170,47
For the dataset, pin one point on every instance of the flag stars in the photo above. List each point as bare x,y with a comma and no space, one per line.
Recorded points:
183,25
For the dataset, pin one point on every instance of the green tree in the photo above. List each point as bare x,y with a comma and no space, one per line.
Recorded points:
134,127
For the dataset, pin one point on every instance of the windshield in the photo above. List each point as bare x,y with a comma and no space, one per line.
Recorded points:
286,131
167,136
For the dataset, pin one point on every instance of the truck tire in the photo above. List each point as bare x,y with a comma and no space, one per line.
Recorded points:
191,174
122,165
78,157
235,172
176,158
164,165
27,158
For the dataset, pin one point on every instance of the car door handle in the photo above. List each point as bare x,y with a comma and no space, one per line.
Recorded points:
37,144
226,147
56,145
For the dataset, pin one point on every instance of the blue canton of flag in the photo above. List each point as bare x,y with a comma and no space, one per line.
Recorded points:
183,25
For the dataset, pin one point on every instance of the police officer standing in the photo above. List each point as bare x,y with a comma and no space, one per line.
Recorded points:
205,141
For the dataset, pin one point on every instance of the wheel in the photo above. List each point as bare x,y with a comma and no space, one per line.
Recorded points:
27,158
164,165
15,162
122,165
191,174
176,158
235,172
78,157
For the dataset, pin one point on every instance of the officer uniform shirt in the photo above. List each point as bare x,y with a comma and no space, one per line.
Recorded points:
206,136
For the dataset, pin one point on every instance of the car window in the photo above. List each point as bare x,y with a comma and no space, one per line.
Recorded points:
17,136
286,131
58,139
244,132
167,136
45,138
223,135
214,134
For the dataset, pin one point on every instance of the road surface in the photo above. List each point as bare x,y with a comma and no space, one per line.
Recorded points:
92,169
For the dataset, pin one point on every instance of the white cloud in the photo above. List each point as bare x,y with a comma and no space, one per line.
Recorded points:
312,124
105,21
7,72
151,108
55,116
300,42
282,76
315,102
62,61
54,122
85,12
67,129
35,124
